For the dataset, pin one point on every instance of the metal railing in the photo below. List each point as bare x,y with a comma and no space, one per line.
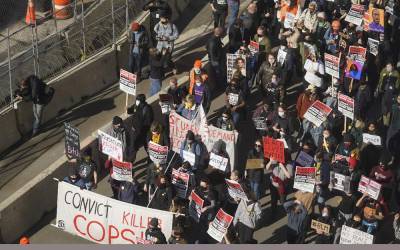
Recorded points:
51,48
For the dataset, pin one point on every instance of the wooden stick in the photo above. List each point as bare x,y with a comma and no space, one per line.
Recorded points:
126,103
345,124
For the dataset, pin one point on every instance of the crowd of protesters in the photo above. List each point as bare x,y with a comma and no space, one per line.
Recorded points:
288,72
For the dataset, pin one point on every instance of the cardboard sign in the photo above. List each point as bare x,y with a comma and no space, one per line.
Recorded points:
340,182
189,157
354,69
110,146
325,228
260,123
304,179
220,225
369,186
304,159
180,181
72,142
157,153
346,105
122,171
332,65
350,235
254,47
317,113
127,82
218,162
255,163
230,64
166,102
274,149
373,46
373,139
195,206
104,220
235,190
356,14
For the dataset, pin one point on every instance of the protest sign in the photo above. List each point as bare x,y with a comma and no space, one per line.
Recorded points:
166,102
373,139
254,47
274,148
304,179
374,20
373,46
110,146
332,65
260,123
357,53
195,206
355,14
354,69
157,153
317,113
281,57
340,182
255,163
189,157
235,190
104,220
127,82
351,235
218,162
317,225
180,181
290,20
231,64
233,99
304,159
369,186
72,142
346,105
121,171
313,79
220,225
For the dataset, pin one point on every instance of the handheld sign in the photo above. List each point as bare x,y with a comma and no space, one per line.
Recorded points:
346,105
166,102
72,142
373,139
350,235
235,190
274,148
317,113
218,162
255,163
127,82
369,186
220,225
356,14
317,225
195,206
332,65
158,154
122,171
304,179
110,146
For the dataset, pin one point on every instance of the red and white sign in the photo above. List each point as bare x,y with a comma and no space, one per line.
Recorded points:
220,225
235,190
180,181
332,65
122,171
371,187
157,153
317,113
304,179
105,220
195,206
274,148
357,53
254,47
346,105
110,146
127,82
356,14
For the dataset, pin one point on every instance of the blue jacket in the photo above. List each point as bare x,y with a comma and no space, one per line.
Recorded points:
195,149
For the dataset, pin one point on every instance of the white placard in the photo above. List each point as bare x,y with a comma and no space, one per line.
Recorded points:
350,235
110,146
373,139
218,162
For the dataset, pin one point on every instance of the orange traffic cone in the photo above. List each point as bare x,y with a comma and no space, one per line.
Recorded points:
30,18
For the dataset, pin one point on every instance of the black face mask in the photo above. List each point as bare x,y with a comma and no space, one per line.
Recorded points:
118,130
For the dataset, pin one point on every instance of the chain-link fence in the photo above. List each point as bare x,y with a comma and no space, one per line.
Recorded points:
35,50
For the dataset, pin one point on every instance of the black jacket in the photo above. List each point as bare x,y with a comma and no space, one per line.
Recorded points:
156,233
160,7
162,198
143,40
128,192
157,66
144,117
35,91
214,48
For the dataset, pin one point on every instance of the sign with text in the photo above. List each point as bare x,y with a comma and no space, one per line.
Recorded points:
274,148
317,113
340,182
332,65
260,123
369,186
373,139
104,220
127,82
350,235
72,142
254,47
317,225
157,153
346,105
122,171
220,225
235,190
189,157
304,179
373,46
357,53
110,146
180,181
166,102
356,14
195,206
231,64
255,163
304,159
218,162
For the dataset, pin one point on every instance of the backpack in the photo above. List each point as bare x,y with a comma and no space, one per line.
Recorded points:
48,94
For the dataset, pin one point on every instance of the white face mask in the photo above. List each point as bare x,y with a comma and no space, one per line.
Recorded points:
137,102
198,83
324,214
224,119
281,114
271,61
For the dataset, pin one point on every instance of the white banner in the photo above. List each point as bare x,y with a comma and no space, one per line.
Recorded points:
110,146
218,162
104,220
373,139
350,235
304,179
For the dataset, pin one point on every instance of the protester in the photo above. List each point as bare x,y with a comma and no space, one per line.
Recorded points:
139,42
156,8
296,215
246,218
154,233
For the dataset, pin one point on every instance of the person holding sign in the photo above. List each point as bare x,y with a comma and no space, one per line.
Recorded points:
372,213
246,218
191,145
234,99
158,135
331,37
325,235
188,108
255,174
162,199
280,177
87,170
225,122
154,233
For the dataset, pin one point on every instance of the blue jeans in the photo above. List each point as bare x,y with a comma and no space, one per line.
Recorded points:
371,227
135,63
233,11
37,117
255,187
235,117
155,86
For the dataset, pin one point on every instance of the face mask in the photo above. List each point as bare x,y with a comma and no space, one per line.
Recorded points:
188,105
73,180
324,214
198,83
137,102
281,114
117,130
271,61
326,135
224,119
197,71
164,22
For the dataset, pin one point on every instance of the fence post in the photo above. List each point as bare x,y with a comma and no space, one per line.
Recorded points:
37,50
9,64
75,11
83,30
54,15
33,50
113,20
127,17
